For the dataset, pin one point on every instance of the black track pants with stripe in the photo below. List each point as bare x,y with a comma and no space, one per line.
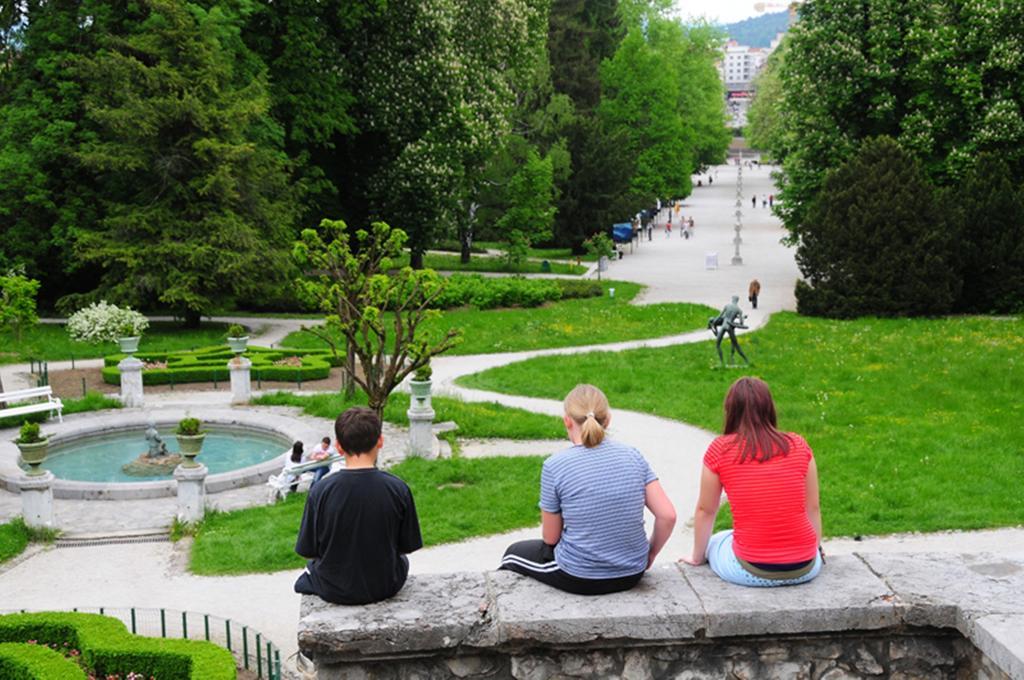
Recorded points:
536,559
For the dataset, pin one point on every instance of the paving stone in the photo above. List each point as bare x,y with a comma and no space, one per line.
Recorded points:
845,596
524,611
430,613
948,591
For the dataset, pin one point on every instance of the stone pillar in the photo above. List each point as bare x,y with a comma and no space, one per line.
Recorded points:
241,380
37,500
421,434
191,492
131,382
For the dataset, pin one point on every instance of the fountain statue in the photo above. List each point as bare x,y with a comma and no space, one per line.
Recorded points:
157,461
156,444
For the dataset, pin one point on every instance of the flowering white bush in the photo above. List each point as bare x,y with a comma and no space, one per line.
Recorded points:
104,322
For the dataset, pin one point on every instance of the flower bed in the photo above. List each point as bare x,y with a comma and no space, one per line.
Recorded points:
211,363
101,646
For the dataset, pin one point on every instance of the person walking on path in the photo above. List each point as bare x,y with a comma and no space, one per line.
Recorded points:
753,292
592,499
771,200
753,201
771,480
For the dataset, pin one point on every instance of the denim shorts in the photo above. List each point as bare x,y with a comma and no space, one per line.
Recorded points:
723,562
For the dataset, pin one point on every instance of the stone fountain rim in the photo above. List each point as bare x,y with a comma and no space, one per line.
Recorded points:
80,426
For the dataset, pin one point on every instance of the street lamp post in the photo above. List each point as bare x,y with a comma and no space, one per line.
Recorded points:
736,259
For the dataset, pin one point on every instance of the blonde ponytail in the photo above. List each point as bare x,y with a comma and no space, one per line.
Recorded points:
588,407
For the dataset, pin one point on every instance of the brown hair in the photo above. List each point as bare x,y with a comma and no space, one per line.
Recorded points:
750,415
357,430
588,407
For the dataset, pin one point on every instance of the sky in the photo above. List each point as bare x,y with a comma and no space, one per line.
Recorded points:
725,11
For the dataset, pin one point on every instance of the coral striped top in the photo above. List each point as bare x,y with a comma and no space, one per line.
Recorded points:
768,501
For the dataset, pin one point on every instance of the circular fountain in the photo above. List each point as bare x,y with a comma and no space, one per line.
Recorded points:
121,455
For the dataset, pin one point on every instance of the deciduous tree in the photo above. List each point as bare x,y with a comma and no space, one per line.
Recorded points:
378,311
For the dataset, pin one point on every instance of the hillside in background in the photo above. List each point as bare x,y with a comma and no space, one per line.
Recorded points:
758,31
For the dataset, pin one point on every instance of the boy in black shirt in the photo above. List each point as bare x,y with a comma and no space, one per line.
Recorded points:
359,523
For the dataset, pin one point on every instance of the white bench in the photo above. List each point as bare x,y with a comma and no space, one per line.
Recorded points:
280,484
49,404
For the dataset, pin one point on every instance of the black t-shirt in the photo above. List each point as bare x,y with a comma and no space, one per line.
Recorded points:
356,526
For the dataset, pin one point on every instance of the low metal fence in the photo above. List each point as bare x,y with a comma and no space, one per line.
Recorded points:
252,650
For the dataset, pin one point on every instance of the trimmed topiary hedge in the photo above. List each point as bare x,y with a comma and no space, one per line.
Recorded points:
108,648
22,661
211,363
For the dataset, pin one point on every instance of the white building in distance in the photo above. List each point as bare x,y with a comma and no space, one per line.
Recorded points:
737,69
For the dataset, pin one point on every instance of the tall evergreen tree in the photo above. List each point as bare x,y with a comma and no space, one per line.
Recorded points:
582,34
196,206
990,238
45,194
882,240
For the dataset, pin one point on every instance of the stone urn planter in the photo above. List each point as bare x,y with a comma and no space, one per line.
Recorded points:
419,386
34,448
420,392
238,339
190,440
129,345
238,345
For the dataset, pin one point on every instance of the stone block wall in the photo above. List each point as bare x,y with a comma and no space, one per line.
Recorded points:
866,616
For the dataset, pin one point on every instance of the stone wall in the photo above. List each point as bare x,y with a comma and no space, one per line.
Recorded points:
866,616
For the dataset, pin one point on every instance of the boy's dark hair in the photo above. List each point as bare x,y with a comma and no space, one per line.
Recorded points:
357,430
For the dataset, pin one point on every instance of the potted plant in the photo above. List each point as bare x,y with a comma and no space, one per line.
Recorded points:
33,446
104,322
238,338
190,438
420,386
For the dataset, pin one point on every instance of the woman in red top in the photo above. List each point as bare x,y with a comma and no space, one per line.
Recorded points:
772,484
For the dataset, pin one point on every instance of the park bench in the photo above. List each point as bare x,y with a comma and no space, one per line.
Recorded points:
41,400
280,484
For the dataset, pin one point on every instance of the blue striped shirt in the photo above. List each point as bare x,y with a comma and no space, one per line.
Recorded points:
600,494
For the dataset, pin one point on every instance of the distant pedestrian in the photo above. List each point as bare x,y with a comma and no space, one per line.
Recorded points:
753,292
753,201
771,200
711,180
668,229
764,201
691,224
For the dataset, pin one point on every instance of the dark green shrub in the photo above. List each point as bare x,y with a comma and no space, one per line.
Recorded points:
108,648
579,288
29,433
990,238
493,292
20,661
236,331
189,427
877,241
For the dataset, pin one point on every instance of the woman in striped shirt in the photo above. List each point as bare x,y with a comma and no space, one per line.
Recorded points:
592,499
772,483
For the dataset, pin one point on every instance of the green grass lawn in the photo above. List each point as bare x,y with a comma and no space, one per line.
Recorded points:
915,424
50,342
541,253
484,263
455,499
14,538
475,419
559,324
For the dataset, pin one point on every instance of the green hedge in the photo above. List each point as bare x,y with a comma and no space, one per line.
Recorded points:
211,363
510,291
36,662
108,648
